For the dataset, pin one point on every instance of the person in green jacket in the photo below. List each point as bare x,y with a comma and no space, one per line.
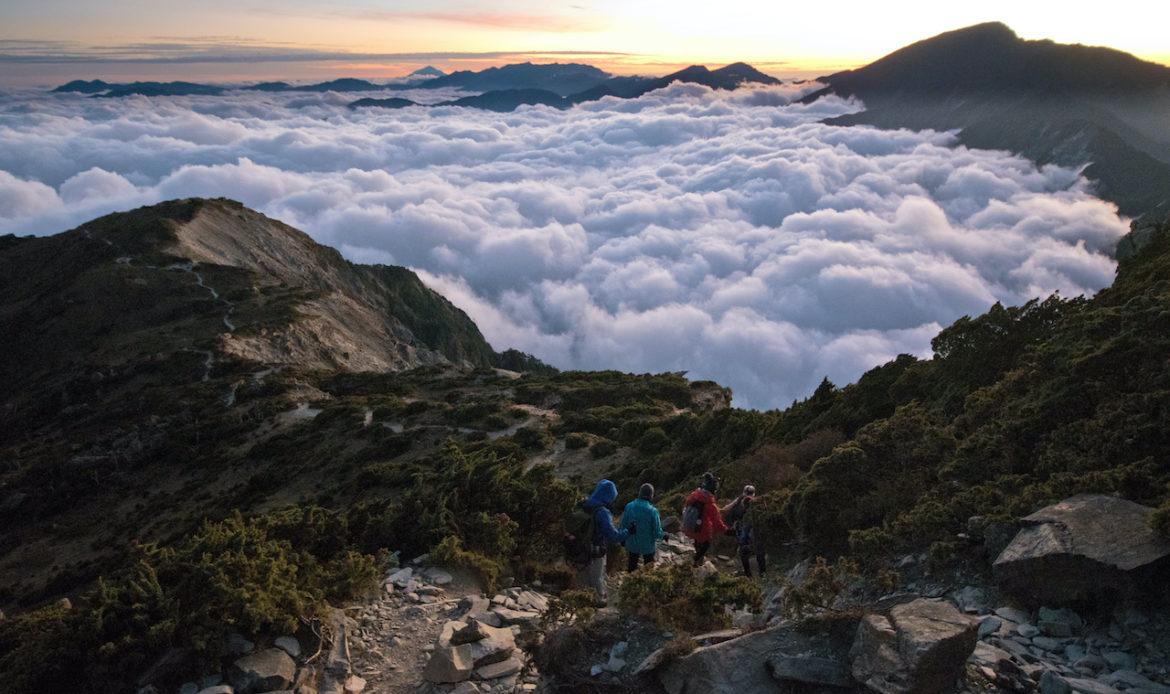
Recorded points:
642,520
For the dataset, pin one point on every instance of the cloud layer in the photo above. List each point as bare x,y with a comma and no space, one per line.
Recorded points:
727,234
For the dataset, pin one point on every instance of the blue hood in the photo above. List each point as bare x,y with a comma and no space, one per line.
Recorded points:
603,495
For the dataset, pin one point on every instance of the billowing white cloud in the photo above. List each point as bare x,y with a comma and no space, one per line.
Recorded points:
729,234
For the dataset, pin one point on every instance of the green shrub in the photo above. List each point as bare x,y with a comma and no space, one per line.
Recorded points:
821,589
575,441
1160,521
653,440
602,448
532,438
678,597
450,552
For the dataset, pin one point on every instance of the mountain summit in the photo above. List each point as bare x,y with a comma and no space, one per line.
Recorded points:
1071,105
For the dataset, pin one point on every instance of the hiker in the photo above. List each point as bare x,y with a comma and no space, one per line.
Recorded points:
603,535
741,515
700,518
645,526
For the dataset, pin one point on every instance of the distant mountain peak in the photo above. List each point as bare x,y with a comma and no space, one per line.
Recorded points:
428,71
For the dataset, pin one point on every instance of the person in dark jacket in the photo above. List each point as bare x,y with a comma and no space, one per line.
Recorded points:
710,521
645,526
741,516
604,535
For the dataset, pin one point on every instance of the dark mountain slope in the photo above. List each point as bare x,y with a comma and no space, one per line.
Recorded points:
84,87
560,78
197,280
505,100
1067,104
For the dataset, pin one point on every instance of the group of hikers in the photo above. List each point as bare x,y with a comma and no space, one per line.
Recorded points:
640,528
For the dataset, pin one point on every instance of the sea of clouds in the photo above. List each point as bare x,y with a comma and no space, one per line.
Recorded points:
728,234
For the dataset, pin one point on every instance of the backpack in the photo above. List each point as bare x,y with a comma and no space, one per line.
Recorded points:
692,517
579,532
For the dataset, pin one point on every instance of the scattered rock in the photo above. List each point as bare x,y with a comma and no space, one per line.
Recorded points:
438,577
467,633
354,685
1119,660
236,644
402,577
1052,683
921,647
496,645
1134,680
1027,630
989,625
217,689
1081,548
265,671
1060,622
510,616
289,645
450,664
504,668
1014,615
971,599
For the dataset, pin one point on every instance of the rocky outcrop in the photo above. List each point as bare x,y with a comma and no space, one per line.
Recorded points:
772,660
920,648
1087,546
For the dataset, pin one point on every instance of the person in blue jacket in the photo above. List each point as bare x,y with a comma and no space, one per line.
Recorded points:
604,535
645,527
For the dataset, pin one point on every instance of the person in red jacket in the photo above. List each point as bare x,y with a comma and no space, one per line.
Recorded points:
701,518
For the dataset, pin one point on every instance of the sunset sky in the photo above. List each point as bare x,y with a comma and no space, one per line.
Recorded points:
44,41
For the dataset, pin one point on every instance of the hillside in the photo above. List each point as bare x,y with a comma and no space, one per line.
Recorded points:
1053,103
125,460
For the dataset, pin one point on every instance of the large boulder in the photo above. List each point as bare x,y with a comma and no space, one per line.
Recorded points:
920,648
264,671
1081,548
779,659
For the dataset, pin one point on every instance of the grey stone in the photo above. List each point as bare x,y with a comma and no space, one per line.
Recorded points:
1052,683
236,644
989,625
504,668
1048,643
289,645
810,670
1079,547
1027,631
921,648
1091,661
401,578
217,689
971,599
189,688
438,576
1135,680
496,645
1119,660
753,662
468,633
264,671
511,616
450,664
1059,622
1013,614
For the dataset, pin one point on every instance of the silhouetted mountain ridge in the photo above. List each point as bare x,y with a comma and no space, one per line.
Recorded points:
1071,105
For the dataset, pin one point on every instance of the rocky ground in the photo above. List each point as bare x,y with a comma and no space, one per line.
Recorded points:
433,630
